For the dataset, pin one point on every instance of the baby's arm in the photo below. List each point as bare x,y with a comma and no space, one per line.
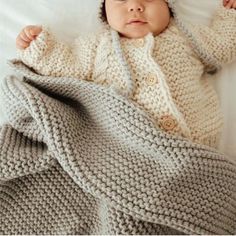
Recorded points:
218,41
38,48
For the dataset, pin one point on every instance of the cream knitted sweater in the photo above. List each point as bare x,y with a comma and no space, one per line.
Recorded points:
165,70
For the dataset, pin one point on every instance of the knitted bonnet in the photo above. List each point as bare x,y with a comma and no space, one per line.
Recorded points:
212,64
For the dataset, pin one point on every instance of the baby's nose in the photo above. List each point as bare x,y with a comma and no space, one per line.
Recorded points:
136,7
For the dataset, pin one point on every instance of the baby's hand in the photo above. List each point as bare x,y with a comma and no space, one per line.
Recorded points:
27,35
229,4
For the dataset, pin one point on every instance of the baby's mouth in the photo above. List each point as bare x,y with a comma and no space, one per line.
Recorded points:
136,22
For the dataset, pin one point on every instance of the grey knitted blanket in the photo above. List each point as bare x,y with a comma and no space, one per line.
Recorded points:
78,158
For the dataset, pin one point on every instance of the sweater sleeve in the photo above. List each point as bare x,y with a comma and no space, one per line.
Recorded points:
47,56
217,41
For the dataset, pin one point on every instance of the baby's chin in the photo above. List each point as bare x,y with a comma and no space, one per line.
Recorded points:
134,34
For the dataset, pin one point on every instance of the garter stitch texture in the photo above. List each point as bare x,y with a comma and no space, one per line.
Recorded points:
162,74
78,158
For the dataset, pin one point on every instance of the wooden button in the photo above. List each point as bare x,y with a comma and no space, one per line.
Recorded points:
139,42
151,80
168,122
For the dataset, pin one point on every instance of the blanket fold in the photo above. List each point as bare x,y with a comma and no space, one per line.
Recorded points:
78,158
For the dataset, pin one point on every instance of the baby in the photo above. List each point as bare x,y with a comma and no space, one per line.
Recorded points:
143,54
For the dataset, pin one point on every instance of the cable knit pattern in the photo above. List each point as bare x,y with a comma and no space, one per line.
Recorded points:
78,158
161,74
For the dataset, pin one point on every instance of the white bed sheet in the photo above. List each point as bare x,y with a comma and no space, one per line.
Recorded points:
68,18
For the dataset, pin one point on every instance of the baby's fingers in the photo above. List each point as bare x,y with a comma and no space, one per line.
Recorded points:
26,32
229,3
225,2
234,5
26,36
35,31
20,43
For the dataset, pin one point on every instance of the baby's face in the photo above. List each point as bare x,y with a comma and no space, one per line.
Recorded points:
136,18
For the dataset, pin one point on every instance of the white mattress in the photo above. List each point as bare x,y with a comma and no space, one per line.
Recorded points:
68,18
